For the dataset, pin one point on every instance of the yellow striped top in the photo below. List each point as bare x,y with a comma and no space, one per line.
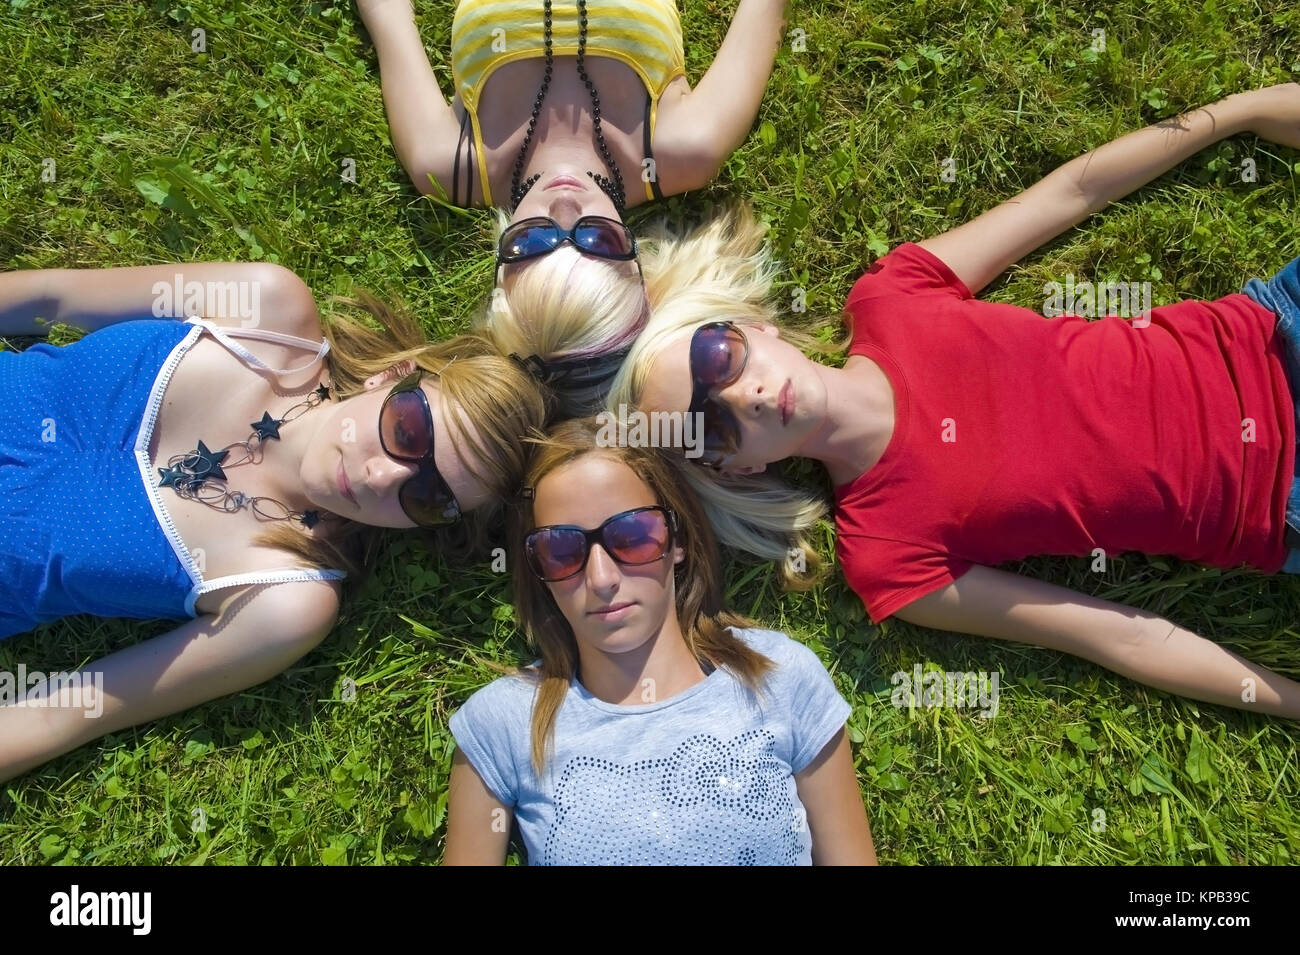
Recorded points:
644,34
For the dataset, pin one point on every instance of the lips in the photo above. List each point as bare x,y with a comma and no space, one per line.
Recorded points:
612,611
564,182
345,488
785,401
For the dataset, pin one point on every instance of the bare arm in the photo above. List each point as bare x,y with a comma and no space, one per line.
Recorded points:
258,632
478,824
420,120
828,789
93,298
1131,642
980,250
712,121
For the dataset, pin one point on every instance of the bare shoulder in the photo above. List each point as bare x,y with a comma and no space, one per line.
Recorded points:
291,609
273,298
686,150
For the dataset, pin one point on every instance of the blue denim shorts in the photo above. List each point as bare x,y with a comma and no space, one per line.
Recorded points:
1281,295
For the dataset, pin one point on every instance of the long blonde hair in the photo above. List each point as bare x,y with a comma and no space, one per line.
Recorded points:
724,271
700,605
499,405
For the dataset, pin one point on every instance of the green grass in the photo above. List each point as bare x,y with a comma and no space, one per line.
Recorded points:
164,154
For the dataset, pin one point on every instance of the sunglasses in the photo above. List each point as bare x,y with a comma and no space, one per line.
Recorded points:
540,235
406,434
719,351
639,536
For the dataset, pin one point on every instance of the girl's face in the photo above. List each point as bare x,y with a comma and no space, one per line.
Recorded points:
779,400
565,196
347,472
611,607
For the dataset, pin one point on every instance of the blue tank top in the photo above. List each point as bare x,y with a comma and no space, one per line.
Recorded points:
83,527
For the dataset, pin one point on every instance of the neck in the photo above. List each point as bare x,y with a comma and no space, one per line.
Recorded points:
283,459
660,668
858,423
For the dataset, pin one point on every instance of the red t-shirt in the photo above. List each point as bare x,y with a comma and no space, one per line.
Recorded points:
1018,435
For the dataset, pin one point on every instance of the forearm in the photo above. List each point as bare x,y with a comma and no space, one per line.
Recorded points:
413,101
1134,643
1116,169
257,634
1178,661
741,69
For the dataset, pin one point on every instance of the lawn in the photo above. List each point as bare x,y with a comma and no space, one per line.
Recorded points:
165,153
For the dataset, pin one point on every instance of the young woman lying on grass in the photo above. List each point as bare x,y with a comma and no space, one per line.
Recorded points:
961,434
227,470
657,727
565,114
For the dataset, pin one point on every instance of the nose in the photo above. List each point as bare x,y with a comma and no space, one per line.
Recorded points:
384,475
744,396
603,574
565,207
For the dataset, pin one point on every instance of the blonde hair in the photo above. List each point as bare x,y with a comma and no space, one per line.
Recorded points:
565,305
498,405
700,604
723,271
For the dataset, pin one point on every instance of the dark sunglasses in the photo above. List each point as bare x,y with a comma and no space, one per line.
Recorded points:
540,235
406,434
639,536
719,351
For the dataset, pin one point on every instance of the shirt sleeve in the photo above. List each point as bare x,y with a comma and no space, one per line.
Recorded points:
907,269
488,729
890,574
817,711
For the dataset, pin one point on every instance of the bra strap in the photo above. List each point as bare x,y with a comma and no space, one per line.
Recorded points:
654,180
469,166
225,336
282,576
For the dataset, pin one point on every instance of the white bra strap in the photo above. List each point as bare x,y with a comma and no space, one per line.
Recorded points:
224,336
287,575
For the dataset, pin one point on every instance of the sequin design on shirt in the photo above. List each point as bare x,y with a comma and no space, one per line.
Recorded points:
672,810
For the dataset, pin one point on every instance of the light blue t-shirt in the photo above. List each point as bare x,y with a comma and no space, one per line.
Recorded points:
703,777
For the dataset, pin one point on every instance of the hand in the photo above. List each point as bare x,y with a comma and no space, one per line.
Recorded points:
1273,113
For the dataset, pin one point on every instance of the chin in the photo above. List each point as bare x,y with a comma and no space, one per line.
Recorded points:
621,639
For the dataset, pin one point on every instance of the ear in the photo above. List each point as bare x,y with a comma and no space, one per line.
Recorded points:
393,373
763,328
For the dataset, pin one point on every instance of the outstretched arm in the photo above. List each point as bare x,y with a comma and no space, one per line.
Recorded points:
93,298
712,121
257,634
420,120
1133,643
981,249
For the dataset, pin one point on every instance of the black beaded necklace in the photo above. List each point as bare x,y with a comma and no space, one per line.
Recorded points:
613,189
194,475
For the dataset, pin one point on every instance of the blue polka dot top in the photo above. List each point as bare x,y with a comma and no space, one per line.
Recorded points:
83,527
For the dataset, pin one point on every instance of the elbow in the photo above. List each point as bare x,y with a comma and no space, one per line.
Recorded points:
421,168
1072,190
699,160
